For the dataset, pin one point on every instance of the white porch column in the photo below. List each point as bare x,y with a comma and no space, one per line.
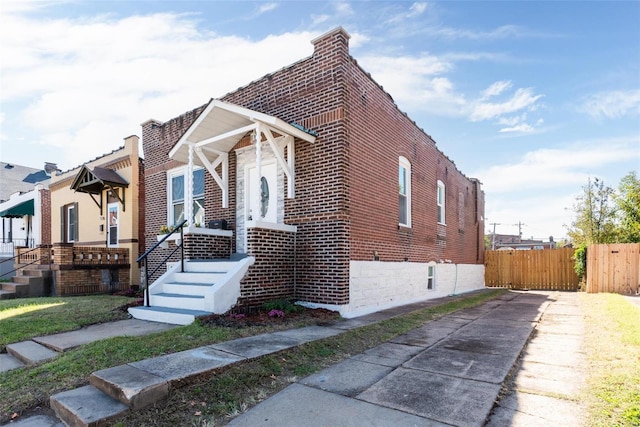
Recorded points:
188,190
257,192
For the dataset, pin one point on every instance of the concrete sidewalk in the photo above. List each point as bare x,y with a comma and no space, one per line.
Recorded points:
42,349
448,372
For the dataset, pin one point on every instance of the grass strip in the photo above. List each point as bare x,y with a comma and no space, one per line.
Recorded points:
27,388
214,400
612,343
26,318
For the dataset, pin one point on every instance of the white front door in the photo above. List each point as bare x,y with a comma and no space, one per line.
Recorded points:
262,199
112,225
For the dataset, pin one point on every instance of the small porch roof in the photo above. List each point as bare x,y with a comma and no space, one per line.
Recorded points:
221,125
94,181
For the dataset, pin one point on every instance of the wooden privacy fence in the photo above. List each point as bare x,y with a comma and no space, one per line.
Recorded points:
547,269
613,268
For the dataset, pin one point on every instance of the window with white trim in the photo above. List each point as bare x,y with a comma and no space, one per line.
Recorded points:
440,202
431,277
176,193
70,223
404,190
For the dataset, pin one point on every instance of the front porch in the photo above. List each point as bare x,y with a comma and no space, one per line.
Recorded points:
63,269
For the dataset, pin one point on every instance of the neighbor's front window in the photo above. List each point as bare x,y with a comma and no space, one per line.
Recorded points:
177,193
404,192
71,222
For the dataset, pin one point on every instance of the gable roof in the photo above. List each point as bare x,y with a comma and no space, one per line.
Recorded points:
221,125
93,181
19,179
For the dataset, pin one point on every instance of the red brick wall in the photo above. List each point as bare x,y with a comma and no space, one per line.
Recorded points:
141,211
272,275
45,217
312,92
90,281
201,246
379,133
346,204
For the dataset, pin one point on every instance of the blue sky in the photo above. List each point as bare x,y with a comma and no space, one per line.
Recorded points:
532,98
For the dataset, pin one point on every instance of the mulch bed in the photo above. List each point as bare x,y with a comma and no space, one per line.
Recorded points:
316,316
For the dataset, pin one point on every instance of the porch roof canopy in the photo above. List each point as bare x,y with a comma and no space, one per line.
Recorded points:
221,125
95,181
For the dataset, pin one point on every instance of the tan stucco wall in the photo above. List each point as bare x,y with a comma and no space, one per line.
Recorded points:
125,162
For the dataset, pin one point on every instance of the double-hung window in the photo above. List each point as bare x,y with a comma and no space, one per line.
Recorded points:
177,195
431,277
404,192
440,200
69,223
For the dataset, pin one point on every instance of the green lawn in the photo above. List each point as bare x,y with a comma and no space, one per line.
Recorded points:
30,387
612,343
25,318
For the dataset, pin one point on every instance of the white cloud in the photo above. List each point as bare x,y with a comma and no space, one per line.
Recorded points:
522,127
416,82
521,99
414,11
83,84
612,104
496,89
555,167
505,31
417,9
267,7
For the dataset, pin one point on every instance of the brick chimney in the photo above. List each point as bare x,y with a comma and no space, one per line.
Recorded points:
333,45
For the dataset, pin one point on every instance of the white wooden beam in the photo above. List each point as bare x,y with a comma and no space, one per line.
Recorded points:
278,145
226,135
222,181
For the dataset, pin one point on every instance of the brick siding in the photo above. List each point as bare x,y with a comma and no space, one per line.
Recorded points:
346,204
45,217
272,275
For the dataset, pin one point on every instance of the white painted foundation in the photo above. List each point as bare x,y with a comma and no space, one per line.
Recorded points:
376,285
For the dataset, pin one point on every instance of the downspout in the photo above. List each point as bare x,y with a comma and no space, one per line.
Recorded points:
455,282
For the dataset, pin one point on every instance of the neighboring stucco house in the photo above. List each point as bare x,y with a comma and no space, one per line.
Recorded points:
97,212
331,195
24,206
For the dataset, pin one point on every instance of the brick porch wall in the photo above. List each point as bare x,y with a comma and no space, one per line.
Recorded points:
272,275
89,270
202,246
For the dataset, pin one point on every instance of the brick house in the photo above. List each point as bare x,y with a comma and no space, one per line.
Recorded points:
331,195
97,212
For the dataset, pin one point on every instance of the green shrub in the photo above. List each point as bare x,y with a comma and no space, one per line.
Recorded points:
580,257
284,305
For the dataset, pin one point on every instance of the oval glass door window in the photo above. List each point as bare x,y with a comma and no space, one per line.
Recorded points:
264,197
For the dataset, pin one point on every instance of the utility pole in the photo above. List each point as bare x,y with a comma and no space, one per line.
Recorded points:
493,236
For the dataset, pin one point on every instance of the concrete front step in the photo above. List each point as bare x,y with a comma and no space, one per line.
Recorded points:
206,266
86,406
187,288
208,277
187,302
7,294
174,316
30,353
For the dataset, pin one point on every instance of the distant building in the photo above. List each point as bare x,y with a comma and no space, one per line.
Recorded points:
516,242
24,205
